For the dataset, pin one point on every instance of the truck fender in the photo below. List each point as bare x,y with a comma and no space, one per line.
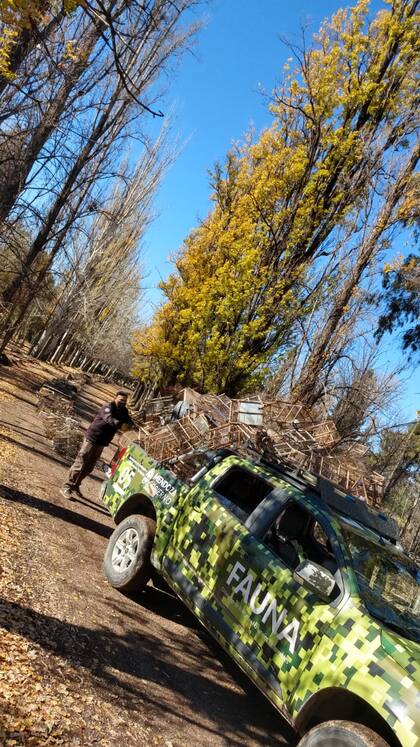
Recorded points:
337,704
135,504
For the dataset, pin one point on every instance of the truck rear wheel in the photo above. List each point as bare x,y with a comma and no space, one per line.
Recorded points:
341,734
127,558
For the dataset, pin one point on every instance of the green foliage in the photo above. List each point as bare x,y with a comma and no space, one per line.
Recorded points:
239,284
398,459
401,286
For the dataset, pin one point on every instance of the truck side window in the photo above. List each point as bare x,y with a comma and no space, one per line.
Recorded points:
295,536
284,537
243,490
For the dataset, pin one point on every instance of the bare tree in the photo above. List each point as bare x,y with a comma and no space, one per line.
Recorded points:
360,398
34,31
19,155
99,306
107,126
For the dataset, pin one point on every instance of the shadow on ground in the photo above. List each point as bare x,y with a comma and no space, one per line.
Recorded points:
41,452
176,669
58,512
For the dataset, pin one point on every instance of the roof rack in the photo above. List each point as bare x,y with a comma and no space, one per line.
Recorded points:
359,511
343,503
329,494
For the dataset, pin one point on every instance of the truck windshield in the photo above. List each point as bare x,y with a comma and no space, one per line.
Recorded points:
388,584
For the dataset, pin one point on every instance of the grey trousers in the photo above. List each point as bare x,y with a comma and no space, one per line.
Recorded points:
84,463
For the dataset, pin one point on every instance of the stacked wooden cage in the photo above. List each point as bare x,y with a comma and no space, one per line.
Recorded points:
56,409
280,431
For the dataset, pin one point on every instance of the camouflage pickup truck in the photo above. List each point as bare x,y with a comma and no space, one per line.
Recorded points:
306,587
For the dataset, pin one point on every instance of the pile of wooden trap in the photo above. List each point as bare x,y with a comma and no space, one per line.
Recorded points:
56,410
279,431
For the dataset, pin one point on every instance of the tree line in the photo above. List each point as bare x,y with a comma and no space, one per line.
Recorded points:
79,83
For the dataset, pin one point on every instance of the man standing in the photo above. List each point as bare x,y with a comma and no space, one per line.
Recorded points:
99,434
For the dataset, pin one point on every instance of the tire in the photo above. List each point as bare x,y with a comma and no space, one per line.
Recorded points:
127,564
341,734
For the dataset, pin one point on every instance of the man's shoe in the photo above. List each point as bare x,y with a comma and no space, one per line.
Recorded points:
68,493
78,493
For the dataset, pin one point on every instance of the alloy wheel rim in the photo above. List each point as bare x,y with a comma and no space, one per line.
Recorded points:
125,550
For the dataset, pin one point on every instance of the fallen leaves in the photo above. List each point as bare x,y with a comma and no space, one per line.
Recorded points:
35,710
8,451
46,697
26,718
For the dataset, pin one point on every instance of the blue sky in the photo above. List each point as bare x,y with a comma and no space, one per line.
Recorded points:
214,97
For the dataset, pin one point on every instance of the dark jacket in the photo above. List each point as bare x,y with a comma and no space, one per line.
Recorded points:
108,420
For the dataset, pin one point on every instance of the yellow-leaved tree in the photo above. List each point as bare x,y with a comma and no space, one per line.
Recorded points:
240,279
24,23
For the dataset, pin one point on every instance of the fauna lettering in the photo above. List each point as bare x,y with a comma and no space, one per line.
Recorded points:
250,590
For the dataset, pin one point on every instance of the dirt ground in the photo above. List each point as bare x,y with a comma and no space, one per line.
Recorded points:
81,664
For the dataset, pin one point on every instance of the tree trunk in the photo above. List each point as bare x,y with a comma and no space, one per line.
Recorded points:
44,233
42,345
59,349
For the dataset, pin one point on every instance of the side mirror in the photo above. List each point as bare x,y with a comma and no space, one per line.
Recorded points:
315,578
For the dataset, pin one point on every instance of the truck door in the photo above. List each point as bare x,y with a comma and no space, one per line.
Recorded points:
276,623
209,526
230,568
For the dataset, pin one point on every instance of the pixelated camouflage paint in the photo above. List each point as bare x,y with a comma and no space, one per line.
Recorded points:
198,545
132,477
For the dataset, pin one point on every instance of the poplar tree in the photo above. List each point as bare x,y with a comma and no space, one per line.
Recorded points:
24,24
68,148
341,117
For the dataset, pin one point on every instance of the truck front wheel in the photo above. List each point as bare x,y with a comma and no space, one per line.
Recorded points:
341,734
127,558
